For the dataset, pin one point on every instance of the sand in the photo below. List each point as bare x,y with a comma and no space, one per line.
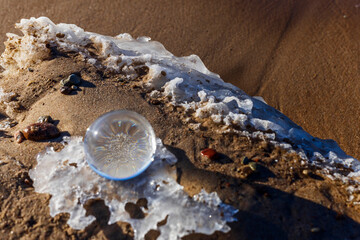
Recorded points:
300,56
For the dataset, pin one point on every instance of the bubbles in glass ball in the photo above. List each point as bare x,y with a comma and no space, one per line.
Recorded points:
120,145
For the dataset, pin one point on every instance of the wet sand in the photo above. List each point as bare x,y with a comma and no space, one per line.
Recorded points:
301,56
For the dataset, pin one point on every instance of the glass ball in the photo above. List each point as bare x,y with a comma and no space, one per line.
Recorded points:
120,145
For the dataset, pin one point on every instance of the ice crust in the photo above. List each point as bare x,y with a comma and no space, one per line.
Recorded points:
71,186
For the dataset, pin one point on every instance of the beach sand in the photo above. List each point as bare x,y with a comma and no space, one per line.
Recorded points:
301,57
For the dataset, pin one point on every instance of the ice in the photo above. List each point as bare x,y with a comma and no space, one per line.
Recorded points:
67,177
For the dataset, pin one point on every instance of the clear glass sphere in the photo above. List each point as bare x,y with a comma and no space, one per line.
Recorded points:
120,145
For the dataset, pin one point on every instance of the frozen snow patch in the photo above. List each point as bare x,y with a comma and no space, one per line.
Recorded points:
67,177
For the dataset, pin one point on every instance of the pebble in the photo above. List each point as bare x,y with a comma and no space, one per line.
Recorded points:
306,172
143,70
245,160
246,171
155,102
315,229
73,87
73,79
209,153
65,90
43,119
37,131
253,166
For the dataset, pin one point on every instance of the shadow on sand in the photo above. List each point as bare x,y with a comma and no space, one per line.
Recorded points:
264,212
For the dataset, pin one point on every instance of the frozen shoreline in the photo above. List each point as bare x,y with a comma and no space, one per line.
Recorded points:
185,80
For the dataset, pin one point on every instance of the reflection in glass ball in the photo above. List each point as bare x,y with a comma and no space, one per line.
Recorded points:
120,145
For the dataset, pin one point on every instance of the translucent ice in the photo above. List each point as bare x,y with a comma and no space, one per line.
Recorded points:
67,177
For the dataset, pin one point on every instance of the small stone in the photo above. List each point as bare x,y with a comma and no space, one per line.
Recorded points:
209,153
28,182
37,132
155,102
306,172
65,90
246,171
43,119
65,82
73,79
245,160
30,69
315,229
19,137
143,70
253,166
73,87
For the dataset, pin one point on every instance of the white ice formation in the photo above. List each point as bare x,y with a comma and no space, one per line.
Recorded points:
184,80
67,177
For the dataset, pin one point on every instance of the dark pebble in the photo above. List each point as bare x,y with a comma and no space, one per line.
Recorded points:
155,102
143,70
245,160
65,90
73,79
